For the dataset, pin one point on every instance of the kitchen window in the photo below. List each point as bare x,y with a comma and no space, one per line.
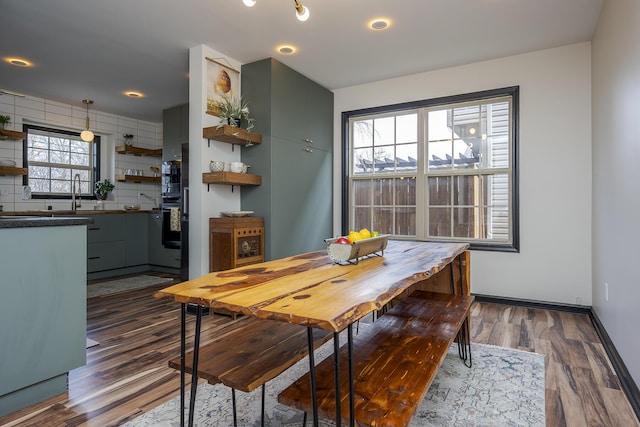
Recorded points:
53,157
441,170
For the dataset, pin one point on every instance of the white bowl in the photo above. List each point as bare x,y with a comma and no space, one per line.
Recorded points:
236,167
216,165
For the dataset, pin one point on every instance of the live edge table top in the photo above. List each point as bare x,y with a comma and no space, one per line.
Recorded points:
310,290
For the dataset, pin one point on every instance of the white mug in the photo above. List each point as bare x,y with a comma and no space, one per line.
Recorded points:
236,167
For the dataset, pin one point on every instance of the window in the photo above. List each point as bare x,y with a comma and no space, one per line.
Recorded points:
53,157
442,169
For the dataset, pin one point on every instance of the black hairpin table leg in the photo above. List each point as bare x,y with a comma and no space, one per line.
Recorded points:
194,374
312,374
183,332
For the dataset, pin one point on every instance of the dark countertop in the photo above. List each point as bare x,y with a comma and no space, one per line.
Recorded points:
14,221
87,212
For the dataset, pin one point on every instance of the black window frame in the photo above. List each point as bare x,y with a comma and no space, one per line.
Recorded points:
95,168
512,91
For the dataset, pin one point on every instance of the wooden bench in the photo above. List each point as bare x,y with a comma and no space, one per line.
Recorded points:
395,360
250,352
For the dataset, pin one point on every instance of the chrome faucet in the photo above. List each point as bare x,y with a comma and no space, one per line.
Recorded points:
75,203
155,202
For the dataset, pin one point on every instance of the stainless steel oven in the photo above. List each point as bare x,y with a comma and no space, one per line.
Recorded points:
171,234
171,204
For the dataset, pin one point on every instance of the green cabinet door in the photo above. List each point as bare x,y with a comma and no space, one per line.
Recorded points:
106,245
158,254
175,131
295,160
137,239
301,214
301,109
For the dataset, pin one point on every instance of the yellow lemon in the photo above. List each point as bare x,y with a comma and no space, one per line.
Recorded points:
354,236
364,233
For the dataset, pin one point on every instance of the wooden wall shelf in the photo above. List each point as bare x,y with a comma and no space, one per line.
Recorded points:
12,170
137,178
11,134
231,135
139,151
230,178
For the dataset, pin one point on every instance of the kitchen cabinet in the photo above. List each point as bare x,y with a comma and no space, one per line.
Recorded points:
118,243
106,243
159,256
136,240
301,111
123,243
295,197
301,208
175,132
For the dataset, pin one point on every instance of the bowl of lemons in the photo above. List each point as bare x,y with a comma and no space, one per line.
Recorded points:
356,245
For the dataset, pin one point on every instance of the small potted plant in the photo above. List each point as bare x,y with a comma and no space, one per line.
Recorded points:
233,111
103,188
4,120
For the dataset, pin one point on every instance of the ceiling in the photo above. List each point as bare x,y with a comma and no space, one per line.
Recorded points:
98,49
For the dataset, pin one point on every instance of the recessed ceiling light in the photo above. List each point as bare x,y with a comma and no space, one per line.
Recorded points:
134,94
286,49
18,62
379,24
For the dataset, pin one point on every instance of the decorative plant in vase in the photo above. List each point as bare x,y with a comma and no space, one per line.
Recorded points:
4,120
103,189
232,111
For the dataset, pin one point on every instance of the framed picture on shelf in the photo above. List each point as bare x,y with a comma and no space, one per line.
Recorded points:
222,80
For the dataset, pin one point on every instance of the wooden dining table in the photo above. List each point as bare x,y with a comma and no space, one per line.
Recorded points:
311,290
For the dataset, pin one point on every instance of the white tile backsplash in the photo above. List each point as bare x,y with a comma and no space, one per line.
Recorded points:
55,114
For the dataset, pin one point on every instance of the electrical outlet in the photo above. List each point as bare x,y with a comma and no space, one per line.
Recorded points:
606,291
578,300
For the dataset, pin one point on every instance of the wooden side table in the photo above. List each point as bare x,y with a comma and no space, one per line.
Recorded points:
235,242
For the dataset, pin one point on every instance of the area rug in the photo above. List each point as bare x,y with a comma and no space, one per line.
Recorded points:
124,285
504,387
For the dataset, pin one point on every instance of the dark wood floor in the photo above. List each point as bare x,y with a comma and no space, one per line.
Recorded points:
127,373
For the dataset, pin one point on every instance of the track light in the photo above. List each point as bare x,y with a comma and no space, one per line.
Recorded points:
302,13
86,134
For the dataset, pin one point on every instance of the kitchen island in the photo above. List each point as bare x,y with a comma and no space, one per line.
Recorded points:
43,306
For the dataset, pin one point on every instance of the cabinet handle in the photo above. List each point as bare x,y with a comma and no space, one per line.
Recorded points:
308,150
94,257
310,141
93,228
157,216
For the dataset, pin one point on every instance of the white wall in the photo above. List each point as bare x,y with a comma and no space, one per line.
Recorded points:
110,127
616,175
205,204
555,166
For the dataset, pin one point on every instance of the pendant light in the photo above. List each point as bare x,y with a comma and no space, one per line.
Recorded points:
86,134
